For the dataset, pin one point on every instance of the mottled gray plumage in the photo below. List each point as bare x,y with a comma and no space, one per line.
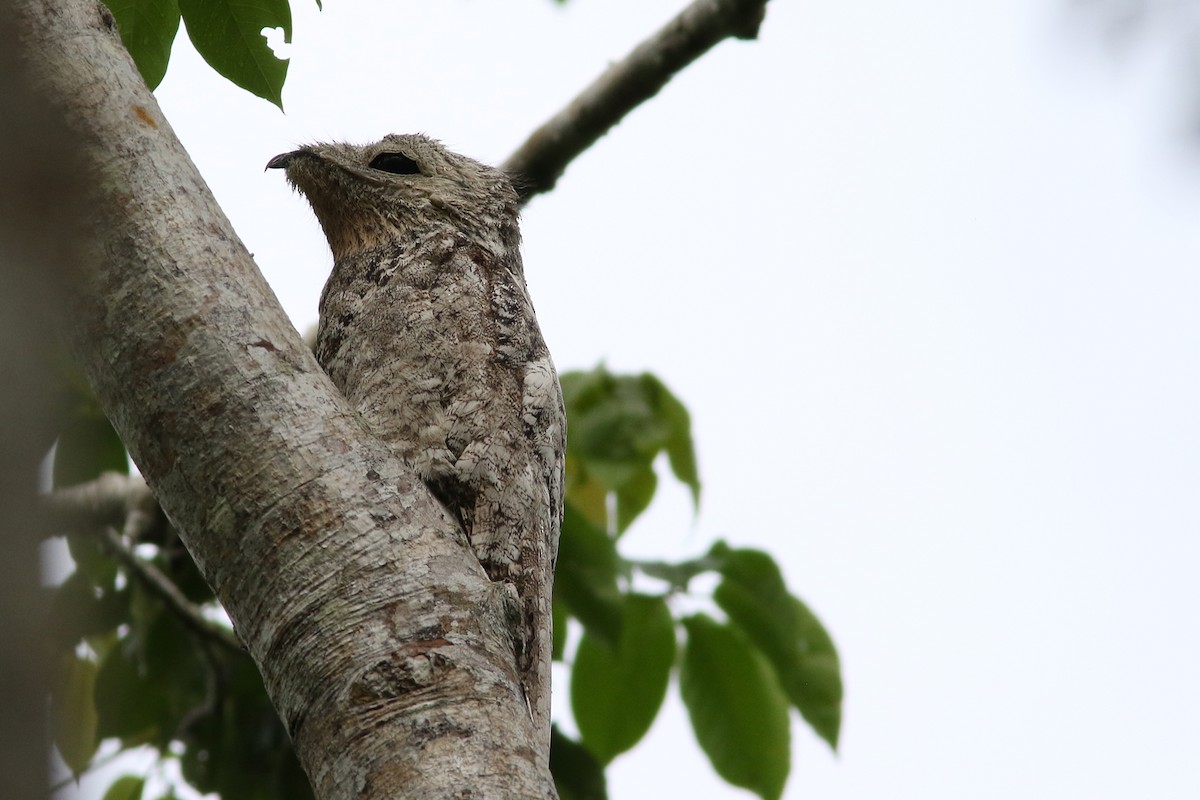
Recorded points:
427,328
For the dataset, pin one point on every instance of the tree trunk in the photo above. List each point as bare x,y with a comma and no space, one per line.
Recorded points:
380,640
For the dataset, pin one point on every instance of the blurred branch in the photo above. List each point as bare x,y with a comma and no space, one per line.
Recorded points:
1172,27
115,502
162,587
122,501
538,163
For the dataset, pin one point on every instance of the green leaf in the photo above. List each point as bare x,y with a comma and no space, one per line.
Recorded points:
126,787
795,642
588,496
144,610
78,610
148,29
634,496
228,34
92,559
616,691
240,750
618,425
737,709
128,707
86,447
74,717
154,679
577,774
586,576
681,453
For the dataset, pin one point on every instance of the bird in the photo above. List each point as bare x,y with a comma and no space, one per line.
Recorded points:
426,327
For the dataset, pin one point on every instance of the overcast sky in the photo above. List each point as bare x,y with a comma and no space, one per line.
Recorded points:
925,274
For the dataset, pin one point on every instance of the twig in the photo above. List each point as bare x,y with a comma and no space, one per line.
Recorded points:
168,592
538,163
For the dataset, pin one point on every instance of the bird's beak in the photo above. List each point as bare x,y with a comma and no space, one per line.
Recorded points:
282,160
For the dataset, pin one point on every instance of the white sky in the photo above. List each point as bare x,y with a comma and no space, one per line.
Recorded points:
925,275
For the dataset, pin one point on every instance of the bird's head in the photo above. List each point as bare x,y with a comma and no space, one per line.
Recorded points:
397,189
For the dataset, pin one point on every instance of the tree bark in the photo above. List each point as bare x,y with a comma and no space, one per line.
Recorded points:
382,644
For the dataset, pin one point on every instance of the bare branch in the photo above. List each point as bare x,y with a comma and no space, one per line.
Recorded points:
162,587
122,501
538,163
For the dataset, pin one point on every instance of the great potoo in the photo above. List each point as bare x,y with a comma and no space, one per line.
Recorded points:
427,328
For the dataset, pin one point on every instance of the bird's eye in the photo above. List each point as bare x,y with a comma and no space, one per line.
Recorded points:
396,163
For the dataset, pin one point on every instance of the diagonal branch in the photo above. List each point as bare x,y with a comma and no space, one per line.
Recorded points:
162,587
114,501
541,160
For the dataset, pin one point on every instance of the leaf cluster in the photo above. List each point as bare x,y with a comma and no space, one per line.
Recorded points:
738,675
226,33
130,670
